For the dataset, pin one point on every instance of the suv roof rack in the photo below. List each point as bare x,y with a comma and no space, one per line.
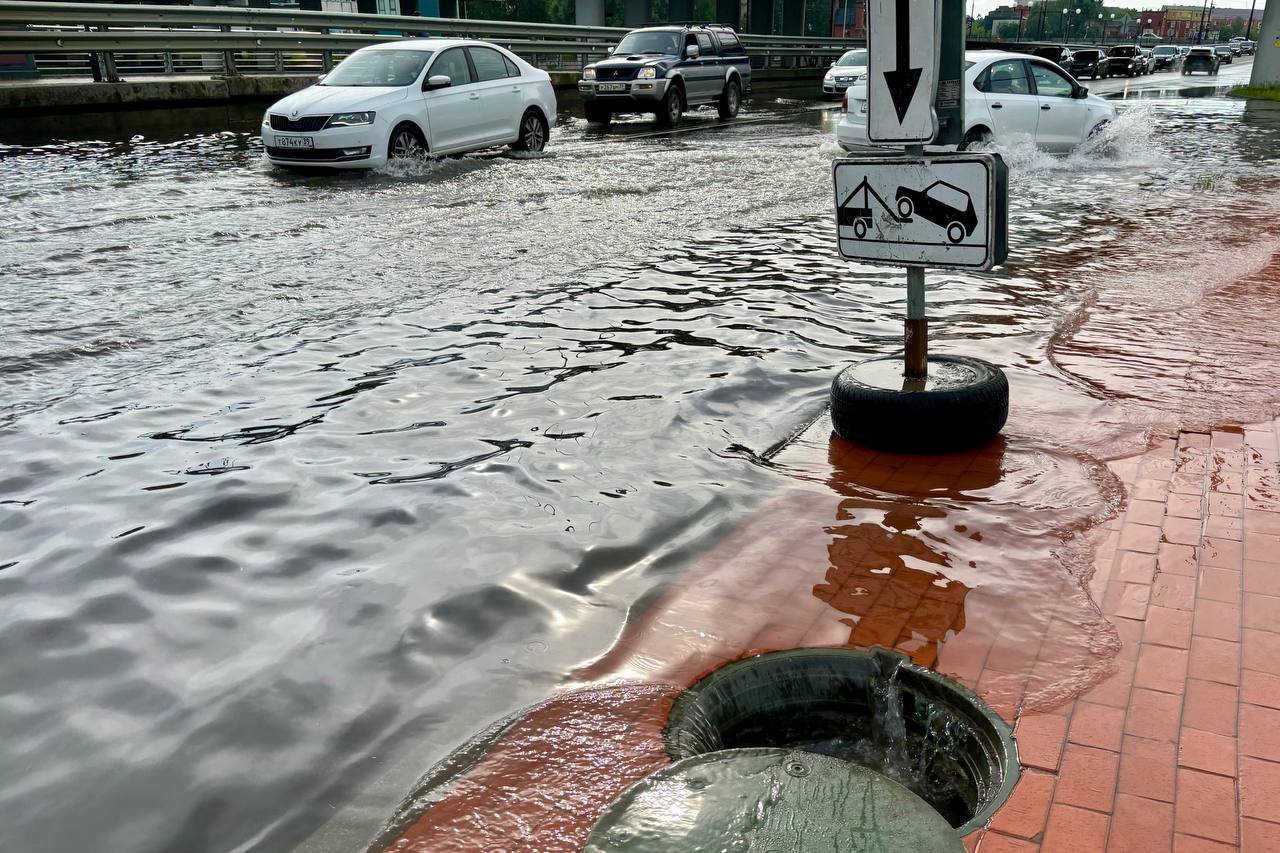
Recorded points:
703,24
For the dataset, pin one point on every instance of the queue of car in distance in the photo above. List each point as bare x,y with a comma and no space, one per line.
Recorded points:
1005,95
666,71
424,95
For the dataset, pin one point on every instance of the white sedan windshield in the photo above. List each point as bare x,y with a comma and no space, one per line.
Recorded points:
379,68
853,57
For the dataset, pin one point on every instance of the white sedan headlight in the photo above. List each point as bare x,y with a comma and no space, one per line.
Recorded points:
266,119
588,74
830,74
351,119
648,73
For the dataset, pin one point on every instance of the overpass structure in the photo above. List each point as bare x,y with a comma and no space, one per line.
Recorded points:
113,39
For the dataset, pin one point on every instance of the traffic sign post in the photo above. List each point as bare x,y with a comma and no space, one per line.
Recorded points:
916,210
902,71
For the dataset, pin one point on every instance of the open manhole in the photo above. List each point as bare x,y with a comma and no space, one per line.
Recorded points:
770,801
869,707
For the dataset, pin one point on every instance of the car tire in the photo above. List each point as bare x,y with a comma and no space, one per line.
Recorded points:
533,132
597,115
405,141
730,100
975,137
965,410
671,108
859,228
955,233
905,207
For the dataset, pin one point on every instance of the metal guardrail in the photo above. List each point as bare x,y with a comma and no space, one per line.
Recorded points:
107,40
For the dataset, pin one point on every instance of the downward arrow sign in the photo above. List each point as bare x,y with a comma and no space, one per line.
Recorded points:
902,81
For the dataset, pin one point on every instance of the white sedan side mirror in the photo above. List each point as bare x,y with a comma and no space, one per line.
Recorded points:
437,81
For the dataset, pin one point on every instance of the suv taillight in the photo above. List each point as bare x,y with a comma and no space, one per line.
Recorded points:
844,102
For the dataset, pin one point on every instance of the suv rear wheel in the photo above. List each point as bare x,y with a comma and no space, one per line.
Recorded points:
671,108
730,99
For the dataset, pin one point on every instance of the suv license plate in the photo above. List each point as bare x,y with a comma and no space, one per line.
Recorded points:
294,142
612,87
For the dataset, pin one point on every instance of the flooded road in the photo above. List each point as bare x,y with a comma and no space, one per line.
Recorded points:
304,480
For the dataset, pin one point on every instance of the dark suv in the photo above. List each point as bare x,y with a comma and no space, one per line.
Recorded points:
1124,60
667,70
1084,62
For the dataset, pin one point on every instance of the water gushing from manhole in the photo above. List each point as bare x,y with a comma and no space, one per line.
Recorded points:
870,707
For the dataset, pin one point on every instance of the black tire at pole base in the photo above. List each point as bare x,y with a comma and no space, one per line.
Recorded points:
955,416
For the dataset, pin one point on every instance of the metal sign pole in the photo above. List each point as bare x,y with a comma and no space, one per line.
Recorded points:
916,330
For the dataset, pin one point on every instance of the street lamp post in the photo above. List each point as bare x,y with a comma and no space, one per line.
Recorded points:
1065,19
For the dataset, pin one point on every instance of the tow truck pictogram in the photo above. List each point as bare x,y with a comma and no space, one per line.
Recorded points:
941,203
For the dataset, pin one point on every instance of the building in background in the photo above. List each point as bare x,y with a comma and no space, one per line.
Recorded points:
1008,22
849,19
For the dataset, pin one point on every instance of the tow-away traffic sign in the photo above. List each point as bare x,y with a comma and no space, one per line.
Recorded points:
902,71
945,210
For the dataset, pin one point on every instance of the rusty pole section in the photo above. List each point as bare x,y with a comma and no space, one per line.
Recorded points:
916,333
917,326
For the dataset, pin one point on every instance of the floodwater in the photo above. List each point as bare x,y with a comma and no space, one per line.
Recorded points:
304,480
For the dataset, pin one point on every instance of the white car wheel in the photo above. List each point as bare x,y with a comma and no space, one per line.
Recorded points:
405,142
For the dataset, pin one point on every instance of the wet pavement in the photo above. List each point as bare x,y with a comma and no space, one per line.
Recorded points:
311,479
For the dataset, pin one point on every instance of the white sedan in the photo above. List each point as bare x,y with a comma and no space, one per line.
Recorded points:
402,98
1006,94
844,72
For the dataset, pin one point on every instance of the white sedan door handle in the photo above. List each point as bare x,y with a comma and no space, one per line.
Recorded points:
474,96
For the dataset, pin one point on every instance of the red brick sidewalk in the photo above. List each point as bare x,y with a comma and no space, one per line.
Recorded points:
1175,751
1180,749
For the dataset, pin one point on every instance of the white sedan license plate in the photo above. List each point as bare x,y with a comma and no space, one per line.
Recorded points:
613,87
294,142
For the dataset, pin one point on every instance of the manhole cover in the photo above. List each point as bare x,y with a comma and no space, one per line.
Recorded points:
770,801
871,707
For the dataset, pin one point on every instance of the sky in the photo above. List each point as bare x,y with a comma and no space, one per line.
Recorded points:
984,6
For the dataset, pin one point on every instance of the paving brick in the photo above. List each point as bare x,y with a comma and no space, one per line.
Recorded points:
1148,768
1145,512
1168,627
1260,688
1222,553
1262,547
1097,725
1220,619
1114,689
1259,788
1212,753
1261,651
1210,707
1174,591
1205,806
1260,732
1135,567
1140,826
1173,559
1260,611
1191,844
994,842
1027,809
1161,668
1040,738
1087,778
1262,522
1261,577
1219,585
1184,505
1260,837
1180,531
1153,715
1073,830
1214,660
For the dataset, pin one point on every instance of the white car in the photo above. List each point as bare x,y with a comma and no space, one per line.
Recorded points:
439,96
844,72
1005,94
